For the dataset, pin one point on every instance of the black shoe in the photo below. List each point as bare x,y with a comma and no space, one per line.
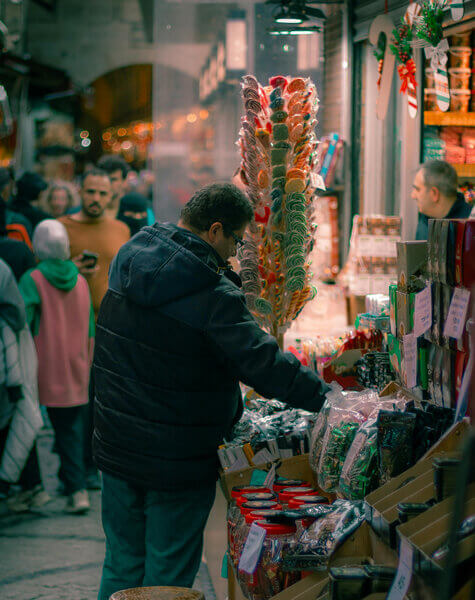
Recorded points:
93,481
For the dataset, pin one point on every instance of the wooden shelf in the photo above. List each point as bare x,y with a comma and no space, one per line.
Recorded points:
449,118
465,170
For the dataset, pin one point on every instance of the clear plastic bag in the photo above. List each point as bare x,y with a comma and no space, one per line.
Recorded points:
340,432
317,543
359,474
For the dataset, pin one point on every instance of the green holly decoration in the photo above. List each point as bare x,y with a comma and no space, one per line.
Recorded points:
380,49
429,25
401,48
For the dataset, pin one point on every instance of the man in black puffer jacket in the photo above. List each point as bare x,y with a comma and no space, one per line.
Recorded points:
174,338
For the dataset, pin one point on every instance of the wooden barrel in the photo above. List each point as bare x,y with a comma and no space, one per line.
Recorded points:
158,593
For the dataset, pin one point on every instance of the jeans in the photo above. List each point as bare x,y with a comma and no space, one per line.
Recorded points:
68,426
153,538
88,425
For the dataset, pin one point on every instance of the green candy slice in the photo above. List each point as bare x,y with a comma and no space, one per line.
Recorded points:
279,171
280,132
263,306
278,183
278,156
278,116
294,283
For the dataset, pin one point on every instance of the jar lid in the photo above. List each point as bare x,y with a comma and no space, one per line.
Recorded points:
457,92
456,49
280,484
251,506
258,515
442,462
291,492
238,490
253,497
276,528
311,499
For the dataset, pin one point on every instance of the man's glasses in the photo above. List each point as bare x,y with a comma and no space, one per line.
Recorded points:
237,240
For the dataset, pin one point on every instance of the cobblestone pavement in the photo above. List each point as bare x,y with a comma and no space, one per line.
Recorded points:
49,555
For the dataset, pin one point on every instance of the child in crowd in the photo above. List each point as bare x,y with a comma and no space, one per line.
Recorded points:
59,312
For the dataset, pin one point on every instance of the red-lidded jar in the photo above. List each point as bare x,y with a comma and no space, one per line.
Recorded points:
242,531
268,579
286,494
239,490
298,501
281,484
248,507
259,497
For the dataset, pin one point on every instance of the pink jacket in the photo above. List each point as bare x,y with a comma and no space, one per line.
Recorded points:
63,344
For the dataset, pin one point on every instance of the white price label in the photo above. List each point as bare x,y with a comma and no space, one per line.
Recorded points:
423,311
403,577
269,480
252,549
457,313
410,360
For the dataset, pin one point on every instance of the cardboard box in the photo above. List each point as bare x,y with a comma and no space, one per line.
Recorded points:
296,467
411,261
429,531
414,485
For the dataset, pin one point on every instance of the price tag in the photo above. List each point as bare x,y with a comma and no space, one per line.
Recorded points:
410,360
403,577
269,480
252,549
423,311
457,313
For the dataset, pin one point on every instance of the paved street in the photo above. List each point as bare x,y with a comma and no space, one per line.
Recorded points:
48,555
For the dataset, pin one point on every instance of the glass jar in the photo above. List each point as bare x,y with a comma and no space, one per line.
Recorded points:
245,523
256,497
234,513
268,578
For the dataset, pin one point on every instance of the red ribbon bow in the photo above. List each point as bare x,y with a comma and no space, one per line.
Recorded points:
407,73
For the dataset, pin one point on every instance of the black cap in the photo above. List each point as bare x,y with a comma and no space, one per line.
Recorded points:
30,185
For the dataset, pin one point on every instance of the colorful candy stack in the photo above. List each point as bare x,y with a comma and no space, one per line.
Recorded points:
278,143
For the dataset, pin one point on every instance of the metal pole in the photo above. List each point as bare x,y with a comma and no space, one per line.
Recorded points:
155,107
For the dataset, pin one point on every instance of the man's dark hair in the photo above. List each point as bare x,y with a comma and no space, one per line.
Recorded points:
95,172
218,203
111,163
441,175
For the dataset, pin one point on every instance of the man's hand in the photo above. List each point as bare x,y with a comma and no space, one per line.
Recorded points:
86,266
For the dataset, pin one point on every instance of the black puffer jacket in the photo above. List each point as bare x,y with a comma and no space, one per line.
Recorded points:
174,338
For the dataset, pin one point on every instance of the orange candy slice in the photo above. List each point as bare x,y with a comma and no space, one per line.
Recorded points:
296,85
296,174
296,133
263,179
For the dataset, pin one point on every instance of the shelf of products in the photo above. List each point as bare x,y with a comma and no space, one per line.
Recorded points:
464,170
449,118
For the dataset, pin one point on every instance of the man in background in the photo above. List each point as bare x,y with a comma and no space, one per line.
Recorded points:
435,191
94,238
29,187
117,169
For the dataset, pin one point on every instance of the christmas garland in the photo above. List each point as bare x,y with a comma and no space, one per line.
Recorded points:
429,25
402,50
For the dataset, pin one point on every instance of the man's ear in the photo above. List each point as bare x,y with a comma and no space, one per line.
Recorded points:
213,230
435,194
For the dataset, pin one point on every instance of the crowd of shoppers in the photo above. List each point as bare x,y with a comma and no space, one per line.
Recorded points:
57,241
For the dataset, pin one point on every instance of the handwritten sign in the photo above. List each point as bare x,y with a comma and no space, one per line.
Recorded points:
456,318
403,577
423,311
409,342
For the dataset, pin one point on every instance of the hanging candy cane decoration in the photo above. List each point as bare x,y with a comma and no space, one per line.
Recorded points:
383,24
456,9
413,11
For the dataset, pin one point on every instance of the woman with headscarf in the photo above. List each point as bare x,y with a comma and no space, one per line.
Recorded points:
133,211
60,314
